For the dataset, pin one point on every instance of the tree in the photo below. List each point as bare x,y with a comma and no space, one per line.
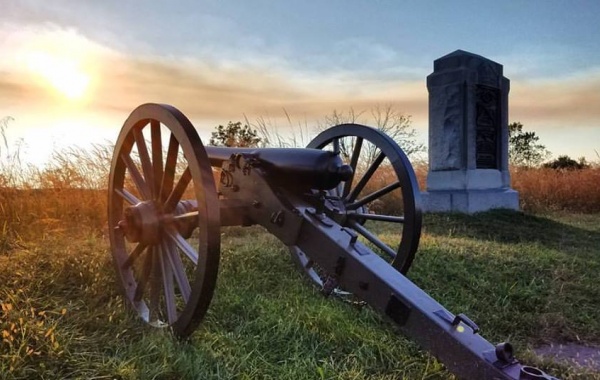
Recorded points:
386,119
567,163
234,134
523,147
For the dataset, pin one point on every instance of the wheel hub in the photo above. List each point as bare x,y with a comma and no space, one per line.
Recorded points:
142,223
336,210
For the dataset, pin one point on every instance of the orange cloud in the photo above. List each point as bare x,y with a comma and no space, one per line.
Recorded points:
14,90
565,102
217,92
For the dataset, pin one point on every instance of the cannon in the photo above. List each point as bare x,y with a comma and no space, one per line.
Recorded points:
169,195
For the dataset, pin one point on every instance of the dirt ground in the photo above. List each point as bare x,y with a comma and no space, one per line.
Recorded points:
584,356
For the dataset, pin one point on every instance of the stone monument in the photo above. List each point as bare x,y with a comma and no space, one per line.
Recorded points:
468,136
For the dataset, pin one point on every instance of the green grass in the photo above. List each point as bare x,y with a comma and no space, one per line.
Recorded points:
526,279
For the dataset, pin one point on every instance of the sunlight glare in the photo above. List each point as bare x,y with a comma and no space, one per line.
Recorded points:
64,74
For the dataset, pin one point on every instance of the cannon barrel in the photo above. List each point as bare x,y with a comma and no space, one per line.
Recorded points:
296,168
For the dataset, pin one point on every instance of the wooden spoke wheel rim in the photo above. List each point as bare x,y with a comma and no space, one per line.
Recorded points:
167,276
355,205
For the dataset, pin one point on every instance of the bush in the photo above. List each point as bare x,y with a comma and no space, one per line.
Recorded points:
567,163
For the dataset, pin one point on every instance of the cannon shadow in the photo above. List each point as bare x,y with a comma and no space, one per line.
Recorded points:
512,227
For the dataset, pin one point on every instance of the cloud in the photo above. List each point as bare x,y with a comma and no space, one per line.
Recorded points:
212,90
221,88
216,87
10,91
571,101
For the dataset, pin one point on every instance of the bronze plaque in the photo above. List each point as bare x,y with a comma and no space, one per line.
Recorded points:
487,129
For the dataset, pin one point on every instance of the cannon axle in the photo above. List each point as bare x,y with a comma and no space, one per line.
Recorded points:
145,221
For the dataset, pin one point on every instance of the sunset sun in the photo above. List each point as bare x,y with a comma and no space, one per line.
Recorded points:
63,74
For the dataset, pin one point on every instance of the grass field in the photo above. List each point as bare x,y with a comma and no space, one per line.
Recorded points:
527,279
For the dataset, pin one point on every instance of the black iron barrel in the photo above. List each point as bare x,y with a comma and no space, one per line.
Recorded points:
297,168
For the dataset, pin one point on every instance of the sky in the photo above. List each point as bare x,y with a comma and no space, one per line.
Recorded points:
72,71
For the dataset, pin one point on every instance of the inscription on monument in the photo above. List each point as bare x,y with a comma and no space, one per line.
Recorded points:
487,127
447,117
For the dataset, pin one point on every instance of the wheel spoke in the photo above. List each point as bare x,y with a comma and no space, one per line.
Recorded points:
138,180
167,276
155,288
382,218
169,174
374,195
178,270
144,158
337,150
134,255
372,238
178,191
145,276
336,145
127,196
187,215
353,164
184,246
338,190
309,264
157,159
366,177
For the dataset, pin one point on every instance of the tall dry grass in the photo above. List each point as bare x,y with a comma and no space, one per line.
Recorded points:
544,189
67,194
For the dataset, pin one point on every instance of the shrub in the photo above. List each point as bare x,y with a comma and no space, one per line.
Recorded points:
567,163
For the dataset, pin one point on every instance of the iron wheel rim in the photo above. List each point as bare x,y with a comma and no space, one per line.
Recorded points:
412,214
184,309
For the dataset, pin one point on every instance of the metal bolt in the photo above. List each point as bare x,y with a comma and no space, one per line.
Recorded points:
278,218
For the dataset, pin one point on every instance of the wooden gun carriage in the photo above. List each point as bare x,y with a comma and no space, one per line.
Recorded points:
166,210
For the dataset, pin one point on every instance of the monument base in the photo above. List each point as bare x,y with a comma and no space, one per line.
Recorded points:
473,179
469,201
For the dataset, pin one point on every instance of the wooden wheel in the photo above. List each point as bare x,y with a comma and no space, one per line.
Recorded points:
381,202
165,247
